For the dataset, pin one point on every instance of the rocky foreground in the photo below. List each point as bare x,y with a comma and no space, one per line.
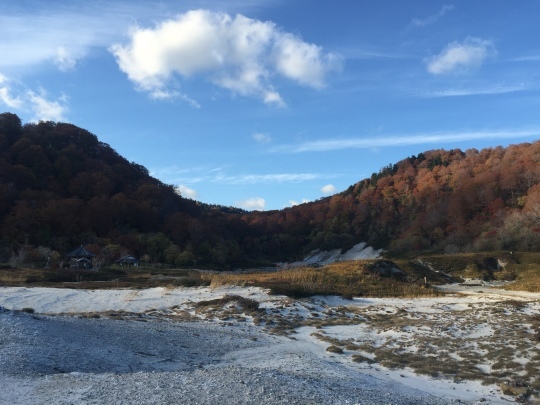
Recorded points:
239,345
66,360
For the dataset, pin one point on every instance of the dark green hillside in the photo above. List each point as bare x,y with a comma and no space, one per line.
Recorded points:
60,187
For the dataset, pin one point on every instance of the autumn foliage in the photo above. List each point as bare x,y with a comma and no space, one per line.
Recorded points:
439,200
61,187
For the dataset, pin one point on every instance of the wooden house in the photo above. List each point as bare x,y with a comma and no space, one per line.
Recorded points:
128,261
81,258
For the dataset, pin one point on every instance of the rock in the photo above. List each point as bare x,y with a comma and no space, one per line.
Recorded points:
388,269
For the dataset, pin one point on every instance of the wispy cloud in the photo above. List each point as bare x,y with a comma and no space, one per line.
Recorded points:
37,103
501,89
529,58
61,37
236,53
266,178
459,57
422,22
177,175
45,109
64,59
6,94
254,203
367,53
406,140
261,138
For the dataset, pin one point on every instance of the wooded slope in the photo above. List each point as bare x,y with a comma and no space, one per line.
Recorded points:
447,200
60,187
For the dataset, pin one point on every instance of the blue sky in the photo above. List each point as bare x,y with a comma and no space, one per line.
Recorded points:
270,103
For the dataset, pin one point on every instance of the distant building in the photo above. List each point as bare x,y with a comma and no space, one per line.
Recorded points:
128,261
81,258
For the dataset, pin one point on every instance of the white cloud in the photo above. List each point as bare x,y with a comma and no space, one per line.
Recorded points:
64,60
44,109
303,62
292,203
406,140
236,53
422,22
460,57
6,94
272,97
255,203
261,138
328,189
20,99
186,192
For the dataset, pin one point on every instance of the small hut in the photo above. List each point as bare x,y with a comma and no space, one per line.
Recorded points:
128,261
81,258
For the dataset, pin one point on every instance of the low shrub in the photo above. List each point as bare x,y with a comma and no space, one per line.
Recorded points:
191,281
358,358
334,349
247,304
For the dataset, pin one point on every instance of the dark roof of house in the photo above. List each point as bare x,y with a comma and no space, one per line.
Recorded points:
80,252
127,259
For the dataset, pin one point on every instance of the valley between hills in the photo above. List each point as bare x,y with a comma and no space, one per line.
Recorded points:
230,306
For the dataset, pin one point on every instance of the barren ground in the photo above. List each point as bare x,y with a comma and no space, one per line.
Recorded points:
166,345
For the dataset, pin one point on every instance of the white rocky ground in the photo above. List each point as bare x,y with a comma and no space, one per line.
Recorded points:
154,346
319,257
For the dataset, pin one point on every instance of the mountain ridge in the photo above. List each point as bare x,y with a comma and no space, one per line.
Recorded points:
60,187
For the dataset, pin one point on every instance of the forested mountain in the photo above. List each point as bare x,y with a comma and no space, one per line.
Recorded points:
61,187
445,200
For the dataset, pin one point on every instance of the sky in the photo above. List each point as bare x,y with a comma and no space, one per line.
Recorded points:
265,104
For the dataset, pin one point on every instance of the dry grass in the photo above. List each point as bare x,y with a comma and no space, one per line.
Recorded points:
105,278
492,343
528,279
18,277
523,267
247,304
347,279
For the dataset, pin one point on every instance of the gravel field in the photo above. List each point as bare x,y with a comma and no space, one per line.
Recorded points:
79,360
